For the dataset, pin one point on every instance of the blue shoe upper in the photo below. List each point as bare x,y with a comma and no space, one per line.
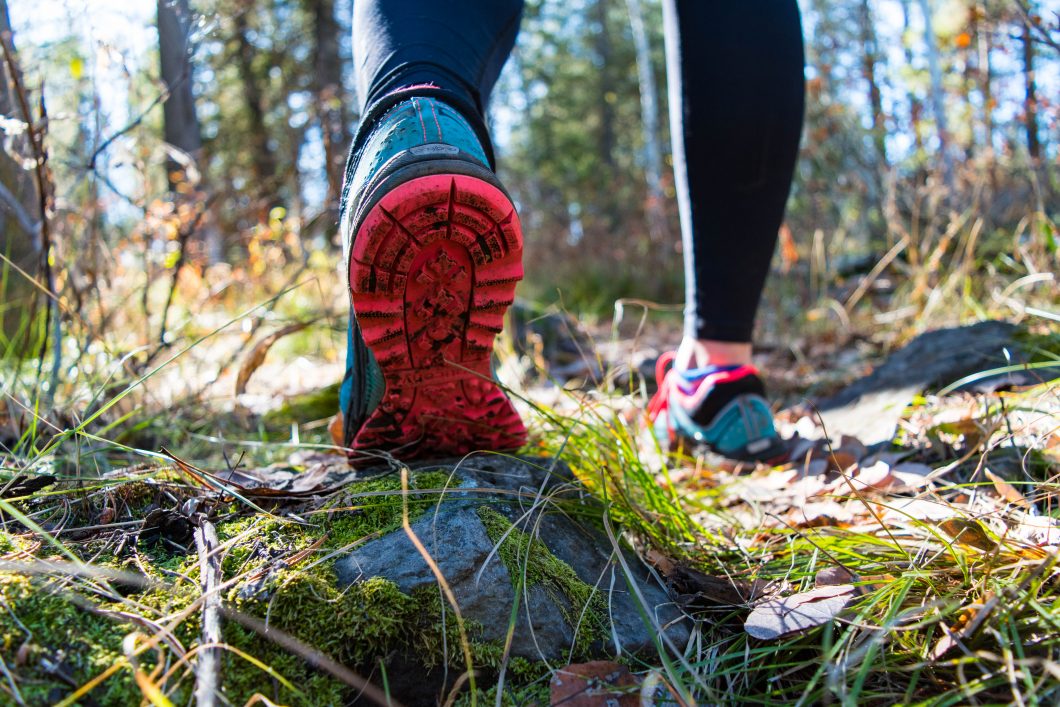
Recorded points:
414,126
740,423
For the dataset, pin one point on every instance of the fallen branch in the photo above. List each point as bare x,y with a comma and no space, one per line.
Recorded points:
208,666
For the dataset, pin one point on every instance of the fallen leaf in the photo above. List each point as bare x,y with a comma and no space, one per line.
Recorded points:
901,511
853,446
799,612
944,644
967,623
818,514
661,562
840,460
600,683
1007,491
276,480
256,357
877,477
833,576
968,532
336,429
25,484
698,589
912,475
162,524
1039,530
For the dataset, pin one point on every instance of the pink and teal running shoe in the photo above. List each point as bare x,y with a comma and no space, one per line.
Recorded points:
433,250
720,408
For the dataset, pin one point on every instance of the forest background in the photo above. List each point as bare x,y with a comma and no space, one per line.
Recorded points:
176,142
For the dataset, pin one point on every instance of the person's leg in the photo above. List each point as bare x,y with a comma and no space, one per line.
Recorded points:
431,240
457,47
735,73
735,77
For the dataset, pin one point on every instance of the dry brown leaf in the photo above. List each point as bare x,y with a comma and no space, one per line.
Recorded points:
336,429
661,562
912,475
853,446
840,460
275,481
256,357
968,532
799,612
817,514
600,683
833,576
944,644
877,477
699,589
1007,491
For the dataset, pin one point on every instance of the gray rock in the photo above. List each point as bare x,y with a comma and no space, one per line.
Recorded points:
870,408
456,539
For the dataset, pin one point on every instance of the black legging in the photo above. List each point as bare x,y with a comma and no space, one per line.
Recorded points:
735,75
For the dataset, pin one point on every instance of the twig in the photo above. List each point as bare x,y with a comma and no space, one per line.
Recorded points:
208,666
1043,35
183,237
159,99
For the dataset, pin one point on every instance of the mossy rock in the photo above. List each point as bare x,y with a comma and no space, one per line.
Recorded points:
64,637
522,565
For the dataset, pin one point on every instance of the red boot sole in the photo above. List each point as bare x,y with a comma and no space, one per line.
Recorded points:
433,270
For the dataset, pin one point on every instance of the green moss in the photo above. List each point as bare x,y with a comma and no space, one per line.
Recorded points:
359,626
527,558
57,643
298,409
514,695
354,627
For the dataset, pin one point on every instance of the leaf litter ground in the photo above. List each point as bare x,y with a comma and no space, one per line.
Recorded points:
922,571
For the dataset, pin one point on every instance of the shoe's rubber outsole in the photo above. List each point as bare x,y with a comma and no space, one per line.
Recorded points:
433,269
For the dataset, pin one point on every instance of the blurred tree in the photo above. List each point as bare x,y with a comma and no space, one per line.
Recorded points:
329,95
264,178
1030,93
649,113
20,207
575,159
180,119
938,96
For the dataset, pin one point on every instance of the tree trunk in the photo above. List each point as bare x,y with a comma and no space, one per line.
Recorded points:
330,95
1030,97
180,122
916,108
985,76
263,159
20,211
869,59
606,136
649,112
938,98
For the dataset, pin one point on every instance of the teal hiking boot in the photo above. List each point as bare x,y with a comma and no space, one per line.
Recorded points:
433,251
722,408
